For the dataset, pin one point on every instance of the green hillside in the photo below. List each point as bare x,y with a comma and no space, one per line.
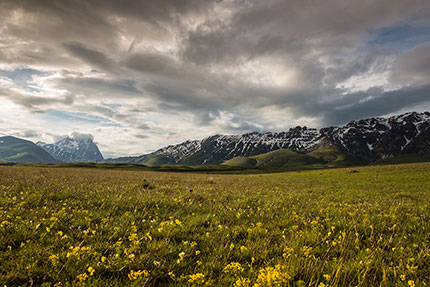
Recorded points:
335,157
18,150
197,158
242,161
158,161
405,158
283,158
287,159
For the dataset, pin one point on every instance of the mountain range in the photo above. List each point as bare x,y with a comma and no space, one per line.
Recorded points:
358,142
364,140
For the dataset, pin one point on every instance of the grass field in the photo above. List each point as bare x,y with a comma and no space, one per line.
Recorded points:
99,227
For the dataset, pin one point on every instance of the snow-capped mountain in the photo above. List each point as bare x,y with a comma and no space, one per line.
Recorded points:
378,138
219,148
178,152
73,150
368,139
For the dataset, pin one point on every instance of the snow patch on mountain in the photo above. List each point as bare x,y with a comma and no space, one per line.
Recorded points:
177,152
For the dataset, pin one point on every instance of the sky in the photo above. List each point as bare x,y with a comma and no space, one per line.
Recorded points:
140,75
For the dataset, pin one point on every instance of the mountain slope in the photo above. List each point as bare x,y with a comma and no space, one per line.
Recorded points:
379,138
172,154
19,150
282,158
285,158
335,157
73,150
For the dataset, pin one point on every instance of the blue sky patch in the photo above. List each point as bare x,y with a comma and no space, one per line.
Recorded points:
401,37
21,77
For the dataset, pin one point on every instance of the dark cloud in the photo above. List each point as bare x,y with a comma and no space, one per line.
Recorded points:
97,87
157,64
99,21
382,104
34,102
294,29
373,60
413,67
95,58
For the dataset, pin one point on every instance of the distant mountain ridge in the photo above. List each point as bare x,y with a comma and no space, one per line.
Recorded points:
73,150
368,139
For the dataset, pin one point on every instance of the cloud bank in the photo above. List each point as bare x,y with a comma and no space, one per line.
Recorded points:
139,75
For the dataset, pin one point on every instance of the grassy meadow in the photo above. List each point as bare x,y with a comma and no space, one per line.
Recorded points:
99,227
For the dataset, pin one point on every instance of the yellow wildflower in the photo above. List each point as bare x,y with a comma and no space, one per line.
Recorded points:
198,277
172,275
242,282
148,236
287,252
53,257
327,277
272,276
134,275
233,267
133,237
82,277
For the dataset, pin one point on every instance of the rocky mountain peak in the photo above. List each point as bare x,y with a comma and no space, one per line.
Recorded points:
73,150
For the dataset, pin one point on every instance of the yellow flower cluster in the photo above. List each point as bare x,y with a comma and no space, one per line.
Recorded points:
287,252
242,282
139,274
258,228
272,276
196,278
233,267
82,277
